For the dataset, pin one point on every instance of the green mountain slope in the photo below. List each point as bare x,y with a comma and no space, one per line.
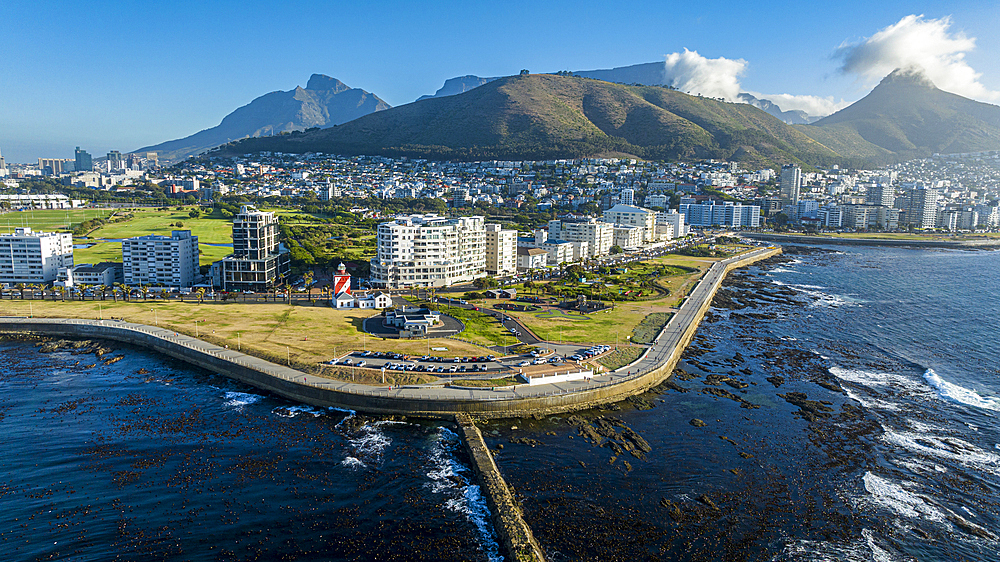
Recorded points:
545,116
905,117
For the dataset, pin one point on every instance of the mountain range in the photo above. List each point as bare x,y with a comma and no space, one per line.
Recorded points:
541,116
647,74
324,102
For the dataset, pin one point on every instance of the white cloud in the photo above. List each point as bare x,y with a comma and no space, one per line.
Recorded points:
694,74
922,44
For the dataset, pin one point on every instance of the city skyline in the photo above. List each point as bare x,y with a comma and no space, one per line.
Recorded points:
161,73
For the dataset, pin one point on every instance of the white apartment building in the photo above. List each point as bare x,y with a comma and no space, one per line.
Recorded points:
628,236
627,215
429,251
598,235
34,257
559,251
675,220
501,250
161,260
657,200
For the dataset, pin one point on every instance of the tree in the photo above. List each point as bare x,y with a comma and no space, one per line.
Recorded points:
616,249
195,213
487,282
201,294
524,72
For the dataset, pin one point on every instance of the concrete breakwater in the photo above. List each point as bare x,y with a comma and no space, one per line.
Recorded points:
515,535
428,401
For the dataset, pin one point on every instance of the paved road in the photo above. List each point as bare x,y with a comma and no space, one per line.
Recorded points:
658,352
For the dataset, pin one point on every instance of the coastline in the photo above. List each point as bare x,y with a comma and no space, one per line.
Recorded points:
430,402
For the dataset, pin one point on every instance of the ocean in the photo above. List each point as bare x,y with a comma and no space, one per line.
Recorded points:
838,403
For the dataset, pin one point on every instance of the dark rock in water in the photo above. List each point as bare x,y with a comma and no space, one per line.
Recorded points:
708,501
673,510
640,403
726,394
724,438
142,371
830,386
637,440
525,441
114,359
809,410
698,423
776,380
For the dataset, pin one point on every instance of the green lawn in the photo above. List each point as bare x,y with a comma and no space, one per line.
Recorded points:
213,230
621,357
479,327
48,220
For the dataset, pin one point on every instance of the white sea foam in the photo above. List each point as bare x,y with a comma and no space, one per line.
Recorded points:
449,477
871,403
783,270
960,394
896,498
865,549
353,462
950,448
239,399
292,411
877,380
370,441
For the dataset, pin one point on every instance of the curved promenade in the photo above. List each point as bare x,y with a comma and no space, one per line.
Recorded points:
423,401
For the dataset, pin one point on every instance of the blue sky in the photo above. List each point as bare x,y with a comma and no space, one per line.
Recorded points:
119,76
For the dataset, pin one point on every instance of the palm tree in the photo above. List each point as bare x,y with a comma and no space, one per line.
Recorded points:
201,294
163,293
104,292
307,279
81,289
60,291
145,292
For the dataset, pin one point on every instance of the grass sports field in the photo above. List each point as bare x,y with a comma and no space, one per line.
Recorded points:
48,220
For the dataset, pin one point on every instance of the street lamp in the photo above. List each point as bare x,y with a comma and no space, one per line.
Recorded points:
155,319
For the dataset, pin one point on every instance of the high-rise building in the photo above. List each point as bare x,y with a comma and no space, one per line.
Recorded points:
919,206
791,184
429,251
729,214
501,250
84,162
53,166
258,262
161,260
626,197
881,194
598,235
34,257
115,161
627,215
3,166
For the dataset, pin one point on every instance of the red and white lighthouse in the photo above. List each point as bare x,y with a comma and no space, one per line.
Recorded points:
341,281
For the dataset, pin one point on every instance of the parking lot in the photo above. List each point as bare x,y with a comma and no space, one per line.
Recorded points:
486,366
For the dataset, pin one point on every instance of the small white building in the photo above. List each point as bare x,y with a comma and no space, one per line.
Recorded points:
373,300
